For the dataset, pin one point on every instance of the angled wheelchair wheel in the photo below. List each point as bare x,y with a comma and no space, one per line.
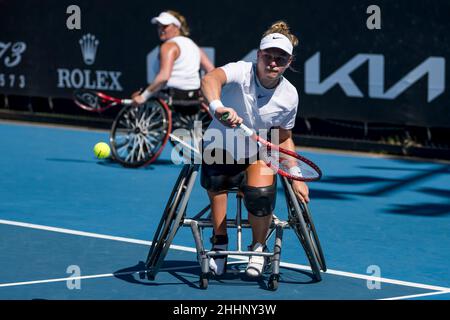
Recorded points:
314,237
139,133
185,117
169,224
303,230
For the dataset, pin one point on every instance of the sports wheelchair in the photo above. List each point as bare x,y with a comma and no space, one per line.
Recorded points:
174,217
139,134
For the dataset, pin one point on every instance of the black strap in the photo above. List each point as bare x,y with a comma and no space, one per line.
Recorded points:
219,239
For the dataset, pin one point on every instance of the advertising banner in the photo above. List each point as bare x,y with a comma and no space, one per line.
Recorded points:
355,61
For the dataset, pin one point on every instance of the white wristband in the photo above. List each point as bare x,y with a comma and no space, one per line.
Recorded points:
146,94
213,105
295,171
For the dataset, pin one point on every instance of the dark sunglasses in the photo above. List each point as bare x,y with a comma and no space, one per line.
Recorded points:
279,60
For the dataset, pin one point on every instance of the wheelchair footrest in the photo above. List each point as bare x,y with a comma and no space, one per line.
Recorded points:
239,253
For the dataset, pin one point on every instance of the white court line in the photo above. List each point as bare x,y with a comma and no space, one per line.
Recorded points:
96,276
74,232
365,277
189,249
371,278
416,295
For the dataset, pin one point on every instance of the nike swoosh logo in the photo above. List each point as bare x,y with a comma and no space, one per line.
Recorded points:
277,38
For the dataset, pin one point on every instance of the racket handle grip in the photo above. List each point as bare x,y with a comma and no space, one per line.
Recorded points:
127,101
225,116
246,130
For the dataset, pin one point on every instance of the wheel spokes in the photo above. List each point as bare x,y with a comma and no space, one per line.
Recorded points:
139,132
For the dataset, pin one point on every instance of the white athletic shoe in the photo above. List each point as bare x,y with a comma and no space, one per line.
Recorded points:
256,264
218,264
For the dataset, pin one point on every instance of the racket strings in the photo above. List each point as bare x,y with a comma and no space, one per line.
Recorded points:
295,167
88,100
93,101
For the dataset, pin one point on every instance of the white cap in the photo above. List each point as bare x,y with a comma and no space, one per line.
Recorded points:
276,40
165,19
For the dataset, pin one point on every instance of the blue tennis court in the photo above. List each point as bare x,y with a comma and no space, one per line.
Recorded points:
75,227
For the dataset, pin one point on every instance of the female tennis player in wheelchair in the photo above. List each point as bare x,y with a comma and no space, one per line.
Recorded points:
175,87
179,62
258,95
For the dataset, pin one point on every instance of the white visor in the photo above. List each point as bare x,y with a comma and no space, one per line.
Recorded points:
276,40
165,19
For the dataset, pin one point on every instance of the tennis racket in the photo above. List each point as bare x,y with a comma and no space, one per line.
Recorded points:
95,101
285,162
188,151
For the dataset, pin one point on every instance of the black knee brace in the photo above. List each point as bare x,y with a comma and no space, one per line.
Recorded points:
260,201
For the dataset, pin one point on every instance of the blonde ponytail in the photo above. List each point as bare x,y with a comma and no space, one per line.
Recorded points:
283,28
184,29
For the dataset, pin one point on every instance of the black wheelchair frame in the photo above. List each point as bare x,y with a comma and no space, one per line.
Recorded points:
174,217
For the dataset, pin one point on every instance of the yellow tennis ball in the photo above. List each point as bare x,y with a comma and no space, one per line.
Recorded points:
102,150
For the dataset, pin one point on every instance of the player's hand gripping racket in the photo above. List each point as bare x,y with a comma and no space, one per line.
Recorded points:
285,162
97,101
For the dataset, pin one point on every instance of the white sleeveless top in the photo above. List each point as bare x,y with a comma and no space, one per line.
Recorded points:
259,107
186,69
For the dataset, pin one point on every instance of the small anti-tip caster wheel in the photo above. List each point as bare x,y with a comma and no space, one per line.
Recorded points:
273,282
204,281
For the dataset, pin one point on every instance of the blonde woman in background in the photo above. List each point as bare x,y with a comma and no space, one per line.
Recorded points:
180,60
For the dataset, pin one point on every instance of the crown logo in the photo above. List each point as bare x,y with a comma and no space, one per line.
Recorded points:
89,45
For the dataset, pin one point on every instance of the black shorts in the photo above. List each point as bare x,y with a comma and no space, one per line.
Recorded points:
185,96
223,176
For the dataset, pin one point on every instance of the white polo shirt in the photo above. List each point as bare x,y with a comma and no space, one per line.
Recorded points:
259,107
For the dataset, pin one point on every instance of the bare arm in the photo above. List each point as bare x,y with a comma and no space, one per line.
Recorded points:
211,88
212,84
205,63
168,54
300,188
286,141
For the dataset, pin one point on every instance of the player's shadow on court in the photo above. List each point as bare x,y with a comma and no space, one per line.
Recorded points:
114,164
327,194
356,180
379,187
425,209
411,166
422,209
236,276
324,194
104,162
136,274
72,160
165,162
188,272
151,166
393,169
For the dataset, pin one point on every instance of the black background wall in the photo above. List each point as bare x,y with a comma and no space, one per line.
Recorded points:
412,32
